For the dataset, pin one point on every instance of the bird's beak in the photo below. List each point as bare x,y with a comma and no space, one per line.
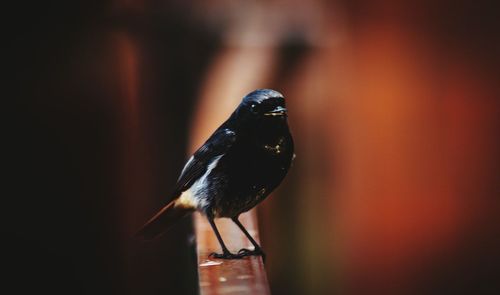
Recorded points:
278,111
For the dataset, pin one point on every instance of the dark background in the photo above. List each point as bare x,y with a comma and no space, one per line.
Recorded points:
394,106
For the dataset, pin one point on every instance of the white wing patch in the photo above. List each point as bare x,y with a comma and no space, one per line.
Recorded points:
196,196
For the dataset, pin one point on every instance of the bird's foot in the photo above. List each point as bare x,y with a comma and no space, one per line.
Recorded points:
241,254
256,252
226,255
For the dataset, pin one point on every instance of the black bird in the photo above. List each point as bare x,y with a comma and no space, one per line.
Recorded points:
243,161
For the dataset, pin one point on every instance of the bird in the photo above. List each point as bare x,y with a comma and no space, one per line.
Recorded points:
238,166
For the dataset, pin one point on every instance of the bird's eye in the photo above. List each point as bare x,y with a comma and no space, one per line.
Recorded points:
254,108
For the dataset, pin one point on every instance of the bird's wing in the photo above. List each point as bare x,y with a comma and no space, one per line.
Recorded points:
218,144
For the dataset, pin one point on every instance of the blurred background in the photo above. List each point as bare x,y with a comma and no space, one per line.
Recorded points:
394,106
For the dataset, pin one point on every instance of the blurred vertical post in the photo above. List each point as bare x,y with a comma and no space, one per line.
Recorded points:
224,87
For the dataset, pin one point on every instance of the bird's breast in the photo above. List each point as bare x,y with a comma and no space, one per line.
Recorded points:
276,147
250,171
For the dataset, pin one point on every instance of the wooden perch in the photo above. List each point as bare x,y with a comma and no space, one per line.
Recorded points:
219,276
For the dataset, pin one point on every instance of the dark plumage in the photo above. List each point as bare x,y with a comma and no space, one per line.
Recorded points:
243,161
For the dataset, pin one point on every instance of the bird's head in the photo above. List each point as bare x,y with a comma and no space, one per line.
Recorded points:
264,104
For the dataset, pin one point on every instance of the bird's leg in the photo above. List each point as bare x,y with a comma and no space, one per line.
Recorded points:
225,252
257,251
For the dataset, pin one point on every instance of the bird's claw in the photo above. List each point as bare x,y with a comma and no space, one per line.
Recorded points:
241,254
225,255
255,252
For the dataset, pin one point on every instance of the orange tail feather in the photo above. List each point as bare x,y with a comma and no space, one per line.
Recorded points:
162,221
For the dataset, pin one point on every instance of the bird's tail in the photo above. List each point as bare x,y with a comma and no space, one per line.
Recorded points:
163,220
